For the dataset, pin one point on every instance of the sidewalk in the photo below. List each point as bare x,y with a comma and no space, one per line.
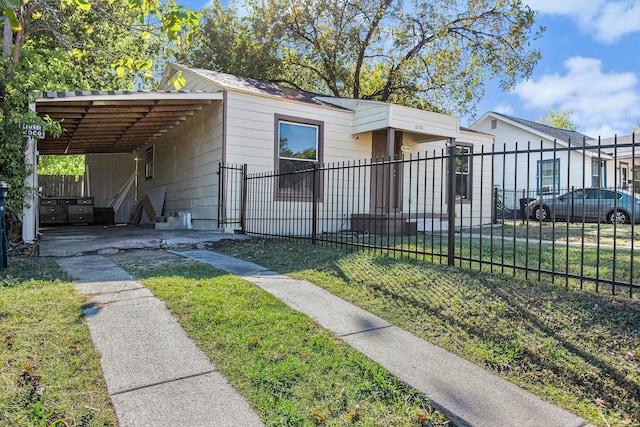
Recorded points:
469,395
155,374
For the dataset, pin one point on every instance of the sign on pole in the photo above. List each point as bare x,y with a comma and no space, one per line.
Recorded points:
34,131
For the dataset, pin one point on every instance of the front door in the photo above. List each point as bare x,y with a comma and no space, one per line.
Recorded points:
386,173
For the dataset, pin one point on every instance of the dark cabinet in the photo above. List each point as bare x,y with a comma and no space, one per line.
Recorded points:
66,210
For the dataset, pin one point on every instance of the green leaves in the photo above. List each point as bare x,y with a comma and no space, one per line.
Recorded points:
13,19
434,55
178,81
85,50
82,4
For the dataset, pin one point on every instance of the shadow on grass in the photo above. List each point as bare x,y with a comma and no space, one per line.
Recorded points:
184,268
525,302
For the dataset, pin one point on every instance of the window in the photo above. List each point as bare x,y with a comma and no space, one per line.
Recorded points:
494,124
624,175
549,176
148,163
595,173
298,148
604,195
463,172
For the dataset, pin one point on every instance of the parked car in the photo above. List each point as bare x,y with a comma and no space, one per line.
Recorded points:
590,204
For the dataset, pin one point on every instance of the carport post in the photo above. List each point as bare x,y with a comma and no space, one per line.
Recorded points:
31,182
4,189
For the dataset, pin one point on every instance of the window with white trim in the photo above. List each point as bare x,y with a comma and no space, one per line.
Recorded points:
549,176
596,169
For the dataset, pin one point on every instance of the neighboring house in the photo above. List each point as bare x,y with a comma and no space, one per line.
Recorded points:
176,140
533,159
626,151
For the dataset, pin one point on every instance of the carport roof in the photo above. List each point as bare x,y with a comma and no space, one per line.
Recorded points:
97,122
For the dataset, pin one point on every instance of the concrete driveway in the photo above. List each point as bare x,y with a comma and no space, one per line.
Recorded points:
69,241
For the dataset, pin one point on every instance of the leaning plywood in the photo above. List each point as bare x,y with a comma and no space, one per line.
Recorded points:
156,199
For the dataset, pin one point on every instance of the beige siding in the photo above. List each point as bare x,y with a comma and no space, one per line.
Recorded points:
428,194
107,174
251,130
186,163
423,122
371,116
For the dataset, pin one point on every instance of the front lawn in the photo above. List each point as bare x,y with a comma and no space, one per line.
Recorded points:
291,371
574,232
577,349
49,371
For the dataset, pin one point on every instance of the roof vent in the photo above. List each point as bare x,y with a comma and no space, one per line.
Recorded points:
171,74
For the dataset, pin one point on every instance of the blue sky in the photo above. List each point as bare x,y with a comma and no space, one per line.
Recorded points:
590,66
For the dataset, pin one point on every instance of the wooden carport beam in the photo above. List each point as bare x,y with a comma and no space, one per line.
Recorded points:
72,132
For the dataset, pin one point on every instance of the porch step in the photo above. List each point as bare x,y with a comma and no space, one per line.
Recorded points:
180,222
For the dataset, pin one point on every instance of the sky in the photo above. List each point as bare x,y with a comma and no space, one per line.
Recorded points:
590,66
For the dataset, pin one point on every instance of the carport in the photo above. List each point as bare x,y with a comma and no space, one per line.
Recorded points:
113,122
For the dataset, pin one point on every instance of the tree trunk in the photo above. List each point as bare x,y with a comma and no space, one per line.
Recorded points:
7,38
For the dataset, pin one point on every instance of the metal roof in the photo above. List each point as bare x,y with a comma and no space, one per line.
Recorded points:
97,122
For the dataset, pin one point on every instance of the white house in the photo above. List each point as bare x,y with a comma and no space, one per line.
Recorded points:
174,141
625,150
533,159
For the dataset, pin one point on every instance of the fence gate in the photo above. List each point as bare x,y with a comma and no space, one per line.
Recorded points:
231,195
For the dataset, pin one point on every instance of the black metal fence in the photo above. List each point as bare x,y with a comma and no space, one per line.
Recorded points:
231,195
566,212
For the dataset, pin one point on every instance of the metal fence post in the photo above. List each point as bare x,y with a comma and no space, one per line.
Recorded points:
451,196
4,189
220,193
243,200
315,201
495,205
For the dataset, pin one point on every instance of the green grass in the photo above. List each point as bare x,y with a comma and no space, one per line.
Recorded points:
589,233
577,349
567,262
291,371
49,371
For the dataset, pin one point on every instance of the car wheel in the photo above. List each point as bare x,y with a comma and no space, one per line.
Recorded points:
541,213
618,217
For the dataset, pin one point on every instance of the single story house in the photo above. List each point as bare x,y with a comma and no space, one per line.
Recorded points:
533,159
172,142
625,150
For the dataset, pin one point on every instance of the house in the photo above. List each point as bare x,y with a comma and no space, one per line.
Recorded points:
625,150
532,159
173,142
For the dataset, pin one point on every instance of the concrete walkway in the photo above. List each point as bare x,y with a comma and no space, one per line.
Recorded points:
155,374
469,395
104,240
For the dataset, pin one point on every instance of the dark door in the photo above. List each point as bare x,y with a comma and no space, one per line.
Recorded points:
386,173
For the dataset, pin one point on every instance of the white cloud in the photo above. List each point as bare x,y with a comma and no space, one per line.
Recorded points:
606,20
602,103
504,109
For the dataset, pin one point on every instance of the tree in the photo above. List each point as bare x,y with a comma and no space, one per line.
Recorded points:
97,45
426,54
61,165
244,47
559,119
